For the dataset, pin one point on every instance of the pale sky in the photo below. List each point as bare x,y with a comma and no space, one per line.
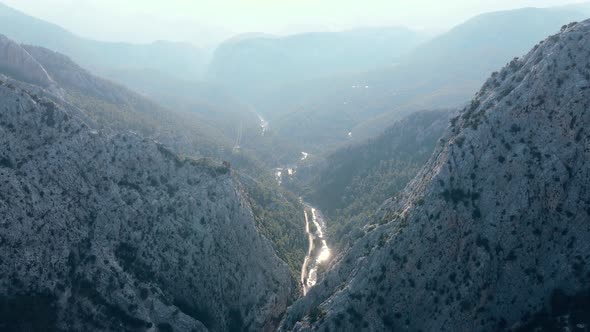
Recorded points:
207,21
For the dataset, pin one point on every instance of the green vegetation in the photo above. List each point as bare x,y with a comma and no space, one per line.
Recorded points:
356,180
316,313
279,217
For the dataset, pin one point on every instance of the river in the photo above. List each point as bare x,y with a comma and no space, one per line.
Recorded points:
319,253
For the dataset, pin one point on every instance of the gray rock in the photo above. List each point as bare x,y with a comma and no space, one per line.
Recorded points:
495,228
107,231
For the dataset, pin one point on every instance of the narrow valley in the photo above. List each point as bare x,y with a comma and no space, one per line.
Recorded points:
319,253
294,166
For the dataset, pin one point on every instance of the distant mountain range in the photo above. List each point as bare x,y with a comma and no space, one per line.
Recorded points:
253,65
442,72
178,59
313,88
168,73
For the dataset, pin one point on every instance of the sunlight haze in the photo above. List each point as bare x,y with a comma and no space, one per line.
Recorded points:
208,22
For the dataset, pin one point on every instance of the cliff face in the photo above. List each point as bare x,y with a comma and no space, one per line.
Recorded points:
107,231
493,233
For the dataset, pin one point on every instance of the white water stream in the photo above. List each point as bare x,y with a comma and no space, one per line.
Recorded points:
319,253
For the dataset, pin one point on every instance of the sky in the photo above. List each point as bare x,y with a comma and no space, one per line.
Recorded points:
209,21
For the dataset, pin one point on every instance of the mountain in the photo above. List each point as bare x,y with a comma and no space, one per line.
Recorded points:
443,72
493,232
110,104
353,181
252,65
217,108
105,105
178,59
168,73
213,104
107,230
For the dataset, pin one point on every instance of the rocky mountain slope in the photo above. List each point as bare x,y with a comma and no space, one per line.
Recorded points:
493,233
110,231
166,72
104,102
103,228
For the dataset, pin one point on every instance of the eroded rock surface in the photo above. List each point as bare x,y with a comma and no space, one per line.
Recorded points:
107,231
494,232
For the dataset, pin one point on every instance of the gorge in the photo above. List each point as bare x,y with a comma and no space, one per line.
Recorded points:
274,194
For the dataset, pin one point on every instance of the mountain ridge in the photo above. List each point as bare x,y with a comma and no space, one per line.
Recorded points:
494,227
443,72
178,59
115,230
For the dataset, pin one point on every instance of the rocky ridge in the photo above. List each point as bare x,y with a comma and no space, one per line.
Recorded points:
103,230
493,232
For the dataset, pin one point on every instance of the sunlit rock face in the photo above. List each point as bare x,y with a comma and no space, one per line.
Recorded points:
493,234
103,230
19,63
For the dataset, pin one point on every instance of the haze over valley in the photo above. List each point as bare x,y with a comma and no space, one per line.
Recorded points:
294,167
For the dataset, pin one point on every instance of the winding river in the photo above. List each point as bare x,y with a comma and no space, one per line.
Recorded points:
319,253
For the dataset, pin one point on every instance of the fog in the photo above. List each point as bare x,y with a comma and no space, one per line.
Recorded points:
206,23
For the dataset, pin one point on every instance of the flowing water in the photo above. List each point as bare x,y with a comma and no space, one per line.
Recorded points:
319,253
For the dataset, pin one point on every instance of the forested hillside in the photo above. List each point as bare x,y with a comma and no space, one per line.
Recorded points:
354,181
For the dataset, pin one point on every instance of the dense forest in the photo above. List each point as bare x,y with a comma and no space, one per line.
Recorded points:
354,181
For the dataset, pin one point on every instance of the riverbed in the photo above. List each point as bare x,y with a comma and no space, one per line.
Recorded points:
319,253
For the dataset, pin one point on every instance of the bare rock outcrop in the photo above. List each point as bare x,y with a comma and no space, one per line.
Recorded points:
494,233
104,231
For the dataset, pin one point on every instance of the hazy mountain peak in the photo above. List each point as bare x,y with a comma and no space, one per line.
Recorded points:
178,59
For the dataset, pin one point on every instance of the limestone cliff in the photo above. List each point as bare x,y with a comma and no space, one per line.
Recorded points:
494,232
109,231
